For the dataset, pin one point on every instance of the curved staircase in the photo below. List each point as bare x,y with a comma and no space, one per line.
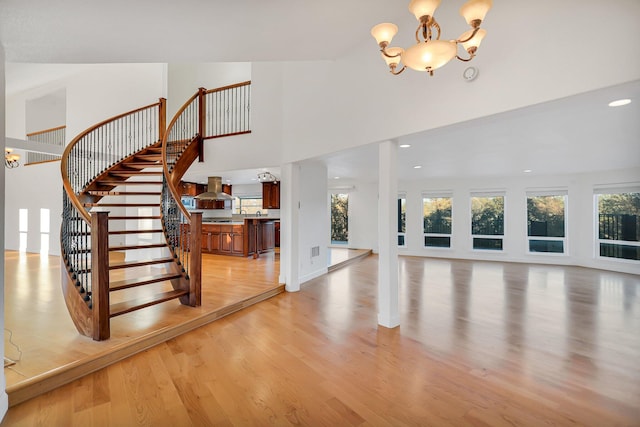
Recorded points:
116,256
127,240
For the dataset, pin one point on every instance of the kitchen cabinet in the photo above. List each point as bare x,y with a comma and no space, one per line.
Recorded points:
223,239
271,195
190,188
215,204
258,236
237,239
277,234
210,238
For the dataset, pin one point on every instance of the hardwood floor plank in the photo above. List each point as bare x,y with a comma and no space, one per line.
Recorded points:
480,343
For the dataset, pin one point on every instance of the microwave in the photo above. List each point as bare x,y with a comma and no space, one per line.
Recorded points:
189,202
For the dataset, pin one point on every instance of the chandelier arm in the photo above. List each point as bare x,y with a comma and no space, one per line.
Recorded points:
394,72
384,52
434,24
420,27
465,59
475,30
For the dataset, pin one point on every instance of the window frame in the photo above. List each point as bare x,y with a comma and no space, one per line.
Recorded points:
501,237
564,240
598,191
403,234
425,235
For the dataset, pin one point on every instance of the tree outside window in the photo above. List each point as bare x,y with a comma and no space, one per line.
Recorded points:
339,218
402,221
619,225
546,223
487,222
436,218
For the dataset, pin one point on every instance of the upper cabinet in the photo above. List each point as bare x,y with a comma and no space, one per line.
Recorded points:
215,204
271,195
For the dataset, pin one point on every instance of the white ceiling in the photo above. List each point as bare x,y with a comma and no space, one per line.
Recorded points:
571,135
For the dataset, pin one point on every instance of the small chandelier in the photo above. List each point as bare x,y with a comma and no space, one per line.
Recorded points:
431,53
267,177
11,160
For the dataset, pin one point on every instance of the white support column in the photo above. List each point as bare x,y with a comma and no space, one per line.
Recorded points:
289,227
4,399
388,291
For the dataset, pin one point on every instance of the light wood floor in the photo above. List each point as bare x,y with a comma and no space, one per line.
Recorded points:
480,343
46,348
38,322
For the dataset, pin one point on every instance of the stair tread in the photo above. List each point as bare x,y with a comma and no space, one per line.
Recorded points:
117,183
139,281
129,306
122,218
139,263
122,205
128,247
143,164
135,173
123,193
153,157
154,230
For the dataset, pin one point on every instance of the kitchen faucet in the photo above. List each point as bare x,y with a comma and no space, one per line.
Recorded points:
258,213
242,211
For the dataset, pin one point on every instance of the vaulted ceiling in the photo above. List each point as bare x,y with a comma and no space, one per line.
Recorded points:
570,135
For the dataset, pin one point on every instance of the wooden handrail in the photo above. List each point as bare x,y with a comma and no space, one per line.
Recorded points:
219,89
40,132
171,182
65,155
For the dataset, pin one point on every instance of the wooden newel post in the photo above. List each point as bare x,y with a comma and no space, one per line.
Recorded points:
202,121
100,275
195,259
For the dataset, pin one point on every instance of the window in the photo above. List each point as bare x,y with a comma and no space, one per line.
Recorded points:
402,220
618,216
248,205
340,219
546,219
436,221
487,222
44,231
23,228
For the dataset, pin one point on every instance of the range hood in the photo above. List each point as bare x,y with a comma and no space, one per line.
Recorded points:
214,190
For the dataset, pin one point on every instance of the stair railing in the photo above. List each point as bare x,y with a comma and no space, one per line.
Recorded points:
207,114
86,157
53,136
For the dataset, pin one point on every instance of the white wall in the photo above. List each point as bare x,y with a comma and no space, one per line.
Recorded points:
329,106
4,399
33,187
46,112
93,95
314,223
580,222
363,216
262,148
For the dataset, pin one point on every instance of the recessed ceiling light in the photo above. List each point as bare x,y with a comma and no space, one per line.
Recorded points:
417,167
405,145
254,179
336,177
619,102
527,171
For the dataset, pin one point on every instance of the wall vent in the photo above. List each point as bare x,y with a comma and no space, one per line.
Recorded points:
315,251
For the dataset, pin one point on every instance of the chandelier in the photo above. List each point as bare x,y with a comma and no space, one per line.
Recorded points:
267,177
11,160
430,53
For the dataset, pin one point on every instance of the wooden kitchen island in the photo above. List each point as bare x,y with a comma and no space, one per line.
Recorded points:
239,238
